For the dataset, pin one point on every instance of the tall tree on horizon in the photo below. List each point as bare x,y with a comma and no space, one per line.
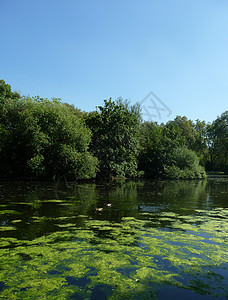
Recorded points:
115,140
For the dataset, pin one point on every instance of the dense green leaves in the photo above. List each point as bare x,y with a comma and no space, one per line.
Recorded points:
41,137
45,138
155,149
162,153
185,165
115,139
218,143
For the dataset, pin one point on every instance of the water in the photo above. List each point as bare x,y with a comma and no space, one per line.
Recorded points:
54,244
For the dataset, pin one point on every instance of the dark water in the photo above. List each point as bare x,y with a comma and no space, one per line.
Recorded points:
55,244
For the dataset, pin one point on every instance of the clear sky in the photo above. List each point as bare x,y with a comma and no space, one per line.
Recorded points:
85,51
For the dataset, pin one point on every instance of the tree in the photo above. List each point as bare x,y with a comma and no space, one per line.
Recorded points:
115,140
44,138
218,143
155,149
186,132
164,153
6,92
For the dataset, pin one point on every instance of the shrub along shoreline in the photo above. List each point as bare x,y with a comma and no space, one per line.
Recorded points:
48,140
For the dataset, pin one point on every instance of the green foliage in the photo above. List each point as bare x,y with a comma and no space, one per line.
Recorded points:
185,158
166,149
201,143
36,165
218,143
155,149
185,165
115,138
173,172
44,138
184,130
6,93
189,134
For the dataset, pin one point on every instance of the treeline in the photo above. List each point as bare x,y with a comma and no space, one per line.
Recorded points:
48,139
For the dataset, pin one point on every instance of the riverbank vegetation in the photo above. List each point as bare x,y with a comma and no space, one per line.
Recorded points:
49,139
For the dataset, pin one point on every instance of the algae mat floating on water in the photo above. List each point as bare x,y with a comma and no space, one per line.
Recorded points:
119,260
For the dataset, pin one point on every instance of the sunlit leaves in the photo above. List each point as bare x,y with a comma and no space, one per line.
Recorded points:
44,138
115,137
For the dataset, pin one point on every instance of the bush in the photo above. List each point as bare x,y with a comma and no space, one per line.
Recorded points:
172,172
185,158
185,165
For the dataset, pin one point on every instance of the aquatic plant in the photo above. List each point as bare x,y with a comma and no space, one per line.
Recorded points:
122,259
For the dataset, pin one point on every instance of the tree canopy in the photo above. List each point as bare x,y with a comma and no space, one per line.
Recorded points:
43,138
115,141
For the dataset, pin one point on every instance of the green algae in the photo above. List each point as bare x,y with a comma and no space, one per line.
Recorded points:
66,225
16,221
23,203
7,228
9,212
52,201
129,256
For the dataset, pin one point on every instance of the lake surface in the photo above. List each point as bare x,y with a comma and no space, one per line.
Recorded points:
54,244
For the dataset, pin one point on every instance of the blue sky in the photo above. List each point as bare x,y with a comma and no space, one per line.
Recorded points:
87,51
